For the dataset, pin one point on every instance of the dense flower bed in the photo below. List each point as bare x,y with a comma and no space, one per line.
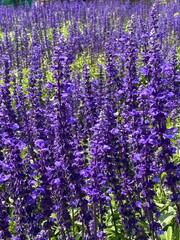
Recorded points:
89,121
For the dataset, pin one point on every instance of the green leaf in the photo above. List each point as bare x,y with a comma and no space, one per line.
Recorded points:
54,238
168,233
53,215
78,236
11,200
176,234
57,231
143,224
166,218
11,226
163,175
23,152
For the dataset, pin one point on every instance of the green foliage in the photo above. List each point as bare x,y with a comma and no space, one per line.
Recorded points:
64,29
167,217
92,63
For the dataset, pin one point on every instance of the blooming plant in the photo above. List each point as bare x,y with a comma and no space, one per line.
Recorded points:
89,121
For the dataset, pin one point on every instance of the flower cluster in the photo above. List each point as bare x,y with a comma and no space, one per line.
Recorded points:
89,120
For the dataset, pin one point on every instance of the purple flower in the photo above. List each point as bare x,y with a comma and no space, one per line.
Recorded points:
40,143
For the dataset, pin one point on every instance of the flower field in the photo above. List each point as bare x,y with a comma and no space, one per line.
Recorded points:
90,121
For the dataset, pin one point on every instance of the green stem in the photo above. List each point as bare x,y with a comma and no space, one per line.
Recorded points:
95,222
73,222
114,222
83,231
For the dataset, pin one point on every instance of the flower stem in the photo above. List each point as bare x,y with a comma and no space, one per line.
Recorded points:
95,221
